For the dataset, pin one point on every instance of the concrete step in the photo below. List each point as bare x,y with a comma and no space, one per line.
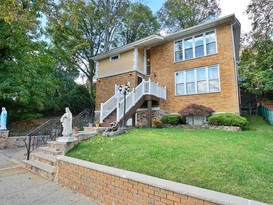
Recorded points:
50,151
44,158
56,144
40,168
96,130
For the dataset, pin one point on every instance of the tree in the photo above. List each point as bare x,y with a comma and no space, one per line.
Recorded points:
180,14
139,22
80,30
260,12
256,64
25,64
256,67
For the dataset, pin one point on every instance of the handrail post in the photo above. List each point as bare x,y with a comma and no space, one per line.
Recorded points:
28,149
157,90
150,85
101,111
134,96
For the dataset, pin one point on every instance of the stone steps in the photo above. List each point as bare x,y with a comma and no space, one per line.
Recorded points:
44,158
40,168
50,151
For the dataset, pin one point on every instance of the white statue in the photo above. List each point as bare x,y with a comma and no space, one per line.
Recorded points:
3,119
66,120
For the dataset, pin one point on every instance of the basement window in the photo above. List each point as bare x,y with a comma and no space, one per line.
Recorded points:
115,57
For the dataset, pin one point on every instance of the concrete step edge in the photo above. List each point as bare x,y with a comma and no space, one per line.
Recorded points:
39,165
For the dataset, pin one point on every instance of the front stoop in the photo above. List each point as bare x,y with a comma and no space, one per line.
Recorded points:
43,160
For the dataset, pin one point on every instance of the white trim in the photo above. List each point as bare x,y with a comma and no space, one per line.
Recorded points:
235,69
145,109
192,37
121,72
135,59
97,69
195,81
110,58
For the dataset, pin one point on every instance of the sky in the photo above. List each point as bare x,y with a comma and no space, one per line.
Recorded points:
237,7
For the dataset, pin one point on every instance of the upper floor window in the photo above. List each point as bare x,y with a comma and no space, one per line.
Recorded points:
195,46
200,80
115,57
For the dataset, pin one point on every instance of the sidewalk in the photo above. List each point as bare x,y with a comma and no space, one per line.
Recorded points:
19,186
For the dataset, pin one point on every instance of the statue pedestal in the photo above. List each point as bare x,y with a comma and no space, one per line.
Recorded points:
4,134
66,139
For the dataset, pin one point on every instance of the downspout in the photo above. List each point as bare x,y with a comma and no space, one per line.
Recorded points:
236,68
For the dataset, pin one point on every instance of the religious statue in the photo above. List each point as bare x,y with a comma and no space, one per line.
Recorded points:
66,121
3,119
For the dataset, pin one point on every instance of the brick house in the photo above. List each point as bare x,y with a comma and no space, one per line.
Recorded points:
194,65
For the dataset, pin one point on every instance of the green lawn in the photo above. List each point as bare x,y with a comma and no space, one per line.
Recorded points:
238,163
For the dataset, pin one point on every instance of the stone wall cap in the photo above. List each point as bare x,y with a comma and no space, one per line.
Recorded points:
205,194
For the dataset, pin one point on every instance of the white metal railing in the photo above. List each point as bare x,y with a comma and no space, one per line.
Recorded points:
109,106
144,88
117,101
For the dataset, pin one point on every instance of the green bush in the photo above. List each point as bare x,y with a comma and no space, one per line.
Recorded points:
227,119
173,119
158,123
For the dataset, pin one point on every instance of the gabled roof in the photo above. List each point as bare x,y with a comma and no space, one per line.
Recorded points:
157,39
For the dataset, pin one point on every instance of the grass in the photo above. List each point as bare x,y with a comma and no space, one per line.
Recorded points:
237,163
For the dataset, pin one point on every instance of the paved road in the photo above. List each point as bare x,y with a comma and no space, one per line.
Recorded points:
19,186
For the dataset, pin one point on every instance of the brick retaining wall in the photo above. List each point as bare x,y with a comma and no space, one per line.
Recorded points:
111,186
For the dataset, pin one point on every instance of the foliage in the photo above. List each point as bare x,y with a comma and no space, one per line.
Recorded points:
82,29
181,14
256,63
157,123
227,119
212,159
260,12
25,63
173,119
256,67
139,22
196,110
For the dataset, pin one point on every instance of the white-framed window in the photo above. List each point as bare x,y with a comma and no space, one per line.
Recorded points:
115,57
196,81
202,44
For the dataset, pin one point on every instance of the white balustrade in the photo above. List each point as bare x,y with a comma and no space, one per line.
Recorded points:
117,101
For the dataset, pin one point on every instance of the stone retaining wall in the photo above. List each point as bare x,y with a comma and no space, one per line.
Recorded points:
111,186
4,134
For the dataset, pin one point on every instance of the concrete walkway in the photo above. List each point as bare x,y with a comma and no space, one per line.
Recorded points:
19,186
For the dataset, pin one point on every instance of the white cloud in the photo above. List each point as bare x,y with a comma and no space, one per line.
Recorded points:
238,7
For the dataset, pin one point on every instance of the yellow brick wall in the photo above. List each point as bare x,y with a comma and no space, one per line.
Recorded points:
109,189
105,87
163,65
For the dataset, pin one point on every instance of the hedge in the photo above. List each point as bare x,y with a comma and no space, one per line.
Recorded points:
227,119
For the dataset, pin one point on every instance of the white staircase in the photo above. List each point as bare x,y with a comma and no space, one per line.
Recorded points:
117,102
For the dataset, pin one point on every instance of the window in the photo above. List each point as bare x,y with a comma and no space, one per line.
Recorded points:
210,42
199,46
148,62
113,58
188,48
194,47
200,80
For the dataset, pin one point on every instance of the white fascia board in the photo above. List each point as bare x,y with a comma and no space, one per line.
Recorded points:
150,40
198,28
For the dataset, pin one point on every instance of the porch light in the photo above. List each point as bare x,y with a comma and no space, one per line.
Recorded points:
124,92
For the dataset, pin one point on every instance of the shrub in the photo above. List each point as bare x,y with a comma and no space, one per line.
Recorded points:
158,123
196,110
227,119
173,119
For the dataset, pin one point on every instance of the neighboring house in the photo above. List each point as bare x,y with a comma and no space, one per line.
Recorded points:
195,65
